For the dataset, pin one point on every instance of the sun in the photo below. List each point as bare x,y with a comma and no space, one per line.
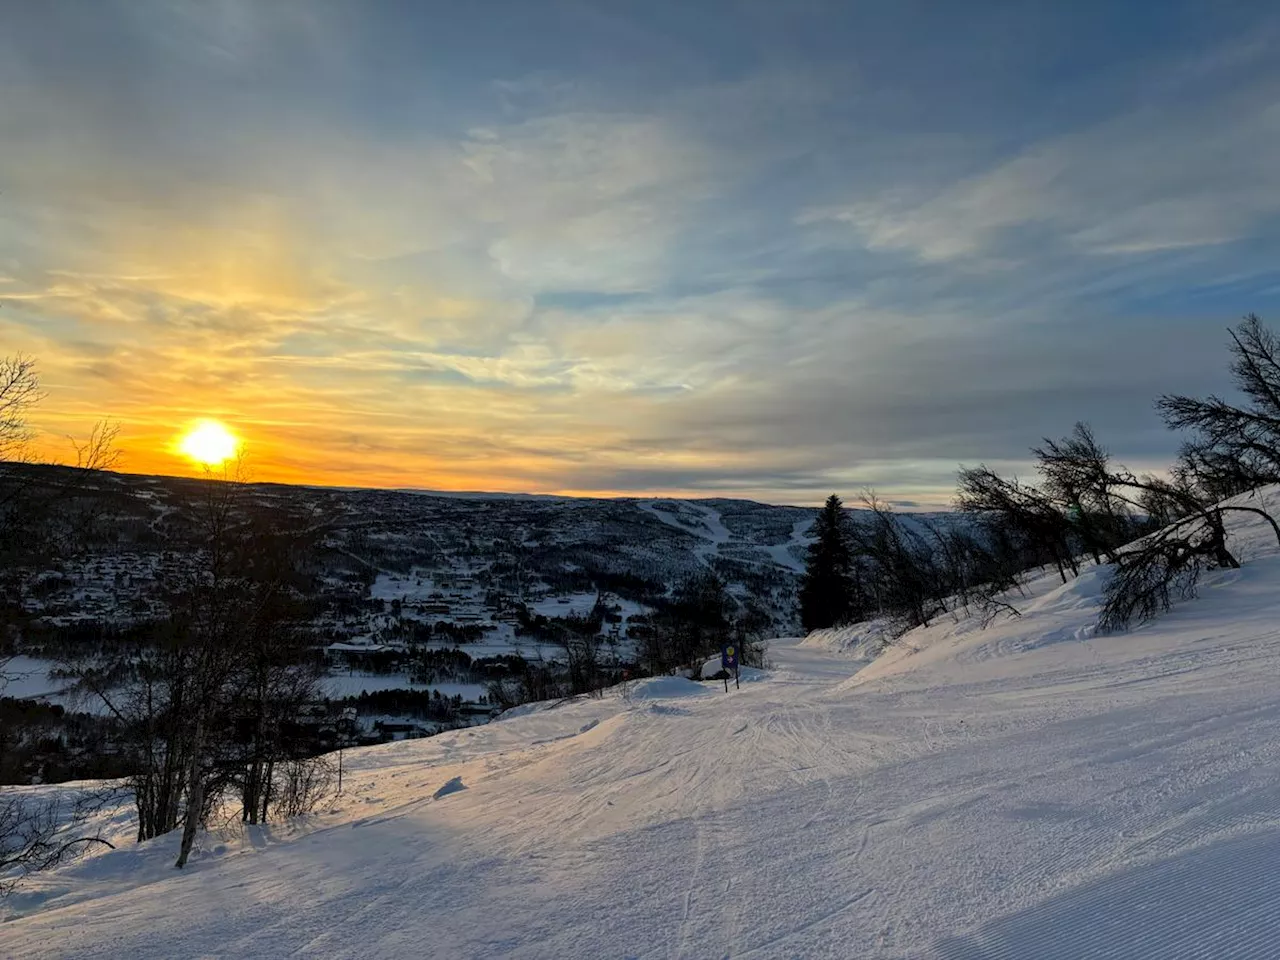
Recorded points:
209,443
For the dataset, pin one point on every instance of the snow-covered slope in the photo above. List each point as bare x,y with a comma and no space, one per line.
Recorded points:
1028,790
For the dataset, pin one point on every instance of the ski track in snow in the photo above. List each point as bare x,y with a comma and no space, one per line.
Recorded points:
711,527
788,554
1030,790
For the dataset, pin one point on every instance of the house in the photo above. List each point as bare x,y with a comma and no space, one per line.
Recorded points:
346,653
397,730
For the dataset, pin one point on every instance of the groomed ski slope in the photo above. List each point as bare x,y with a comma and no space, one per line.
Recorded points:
1027,790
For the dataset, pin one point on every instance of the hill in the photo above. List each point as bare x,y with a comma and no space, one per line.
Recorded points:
412,570
1028,789
534,547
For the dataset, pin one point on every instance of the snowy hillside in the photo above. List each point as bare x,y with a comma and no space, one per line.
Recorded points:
1027,790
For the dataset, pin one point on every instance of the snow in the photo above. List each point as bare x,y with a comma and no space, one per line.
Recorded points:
573,604
352,685
343,647
862,641
28,678
467,691
665,688
453,786
713,666
391,587
1027,790
702,521
789,554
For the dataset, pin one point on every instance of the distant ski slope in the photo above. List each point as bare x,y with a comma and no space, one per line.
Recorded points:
705,524
788,554
1030,790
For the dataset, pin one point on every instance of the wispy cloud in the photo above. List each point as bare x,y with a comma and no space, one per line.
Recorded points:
1156,179
584,250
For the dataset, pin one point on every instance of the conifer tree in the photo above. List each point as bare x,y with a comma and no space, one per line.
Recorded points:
828,591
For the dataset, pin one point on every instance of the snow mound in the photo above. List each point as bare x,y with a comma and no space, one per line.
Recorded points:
712,669
524,710
666,688
862,641
1082,593
453,786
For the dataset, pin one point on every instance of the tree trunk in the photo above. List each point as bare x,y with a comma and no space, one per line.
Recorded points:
252,790
195,794
144,800
266,789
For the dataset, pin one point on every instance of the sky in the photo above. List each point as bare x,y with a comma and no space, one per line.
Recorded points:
753,249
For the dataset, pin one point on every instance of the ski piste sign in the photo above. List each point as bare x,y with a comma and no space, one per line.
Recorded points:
729,662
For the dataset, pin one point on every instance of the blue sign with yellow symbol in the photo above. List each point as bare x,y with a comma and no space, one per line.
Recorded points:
729,656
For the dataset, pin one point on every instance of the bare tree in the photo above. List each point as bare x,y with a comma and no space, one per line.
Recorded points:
98,451
19,393
902,567
236,614
37,521
276,676
1034,524
207,704
1236,447
975,567
1162,567
1076,474
40,832
43,515
1190,535
304,784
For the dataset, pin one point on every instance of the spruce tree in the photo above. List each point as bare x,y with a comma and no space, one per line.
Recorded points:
828,590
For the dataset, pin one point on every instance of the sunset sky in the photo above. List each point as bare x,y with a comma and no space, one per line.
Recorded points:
767,249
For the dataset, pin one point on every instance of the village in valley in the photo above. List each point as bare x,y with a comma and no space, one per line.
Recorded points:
424,608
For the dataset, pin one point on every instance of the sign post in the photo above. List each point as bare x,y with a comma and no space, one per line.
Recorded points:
729,661
345,728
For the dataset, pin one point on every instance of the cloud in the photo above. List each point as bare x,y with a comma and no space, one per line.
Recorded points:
583,202
553,250
1136,183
